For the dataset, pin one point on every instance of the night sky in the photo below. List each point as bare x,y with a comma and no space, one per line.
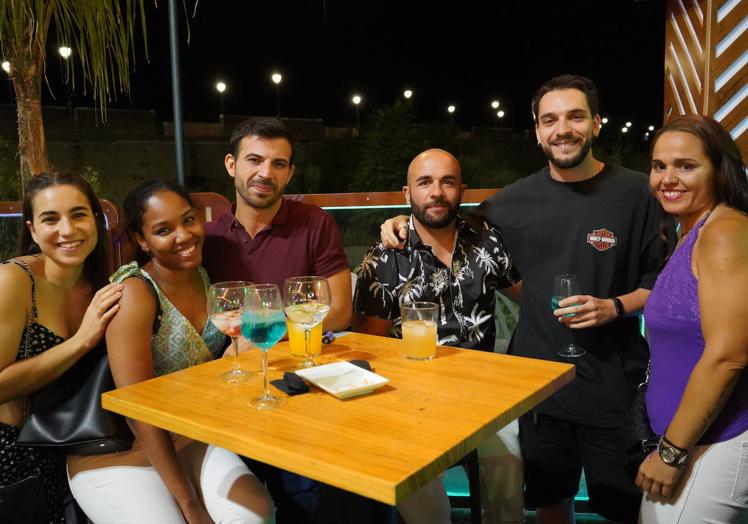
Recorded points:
462,53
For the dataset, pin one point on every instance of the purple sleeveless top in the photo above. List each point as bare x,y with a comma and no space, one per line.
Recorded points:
676,342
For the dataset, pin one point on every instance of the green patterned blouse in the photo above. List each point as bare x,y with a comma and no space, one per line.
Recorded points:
176,344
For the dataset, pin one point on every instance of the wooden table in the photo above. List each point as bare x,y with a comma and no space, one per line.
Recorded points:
383,445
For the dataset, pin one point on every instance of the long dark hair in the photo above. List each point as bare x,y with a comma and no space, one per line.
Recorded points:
95,266
134,208
730,182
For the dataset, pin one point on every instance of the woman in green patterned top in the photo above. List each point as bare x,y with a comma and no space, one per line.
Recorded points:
164,477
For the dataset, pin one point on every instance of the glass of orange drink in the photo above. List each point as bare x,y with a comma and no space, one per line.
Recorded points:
419,330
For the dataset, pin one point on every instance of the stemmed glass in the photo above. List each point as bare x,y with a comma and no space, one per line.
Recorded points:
307,301
565,286
263,324
225,306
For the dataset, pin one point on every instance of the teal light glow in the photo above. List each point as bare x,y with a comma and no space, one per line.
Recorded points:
456,484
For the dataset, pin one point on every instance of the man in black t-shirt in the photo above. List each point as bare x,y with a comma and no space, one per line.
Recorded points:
580,216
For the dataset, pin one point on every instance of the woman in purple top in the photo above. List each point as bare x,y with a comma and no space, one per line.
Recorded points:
697,319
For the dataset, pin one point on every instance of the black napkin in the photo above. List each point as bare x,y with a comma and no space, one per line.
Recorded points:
361,363
292,384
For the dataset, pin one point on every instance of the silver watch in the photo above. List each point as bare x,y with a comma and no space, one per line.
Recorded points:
670,455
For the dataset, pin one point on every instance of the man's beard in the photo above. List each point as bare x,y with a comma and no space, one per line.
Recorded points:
259,202
420,212
567,163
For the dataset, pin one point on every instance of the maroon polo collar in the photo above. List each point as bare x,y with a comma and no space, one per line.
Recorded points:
280,218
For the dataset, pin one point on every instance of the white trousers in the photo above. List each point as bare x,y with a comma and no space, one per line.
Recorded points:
712,489
501,477
428,505
137,495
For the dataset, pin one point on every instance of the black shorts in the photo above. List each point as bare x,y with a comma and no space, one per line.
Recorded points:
555,451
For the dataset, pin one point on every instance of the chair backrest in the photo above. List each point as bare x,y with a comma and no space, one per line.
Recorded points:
377,199
121,248
211,205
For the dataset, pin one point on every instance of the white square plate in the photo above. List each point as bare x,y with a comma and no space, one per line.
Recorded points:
343,379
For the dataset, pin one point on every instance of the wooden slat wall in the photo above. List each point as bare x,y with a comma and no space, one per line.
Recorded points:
706,62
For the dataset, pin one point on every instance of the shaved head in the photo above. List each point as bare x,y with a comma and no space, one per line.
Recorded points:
433,160
434,189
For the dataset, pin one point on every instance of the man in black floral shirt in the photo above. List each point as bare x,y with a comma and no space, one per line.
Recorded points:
456,262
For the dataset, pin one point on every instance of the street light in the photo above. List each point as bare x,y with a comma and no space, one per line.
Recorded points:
450,110
356,101
407,94
499,116
65,53
624,130
6,67
221,88
277,78
604,120
628,124
651,128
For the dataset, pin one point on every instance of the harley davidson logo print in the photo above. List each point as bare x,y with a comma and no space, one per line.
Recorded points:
602,239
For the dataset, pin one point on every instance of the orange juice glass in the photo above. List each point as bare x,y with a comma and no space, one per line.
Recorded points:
419,330
296,339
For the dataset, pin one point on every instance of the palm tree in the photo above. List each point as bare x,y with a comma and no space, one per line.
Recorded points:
101,33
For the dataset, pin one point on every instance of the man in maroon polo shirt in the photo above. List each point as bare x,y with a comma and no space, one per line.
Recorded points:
266,239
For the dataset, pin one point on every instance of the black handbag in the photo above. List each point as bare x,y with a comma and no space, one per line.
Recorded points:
636,432
67,417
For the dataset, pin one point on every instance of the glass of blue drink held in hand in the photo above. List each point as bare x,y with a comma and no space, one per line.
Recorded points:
264,324
565,286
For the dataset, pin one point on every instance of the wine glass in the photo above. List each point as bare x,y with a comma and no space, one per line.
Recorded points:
565,286
225,306
307,301
263,324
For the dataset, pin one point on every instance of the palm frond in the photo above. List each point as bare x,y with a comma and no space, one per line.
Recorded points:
101,33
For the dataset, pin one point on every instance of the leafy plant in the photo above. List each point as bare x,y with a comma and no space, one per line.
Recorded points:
102,36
